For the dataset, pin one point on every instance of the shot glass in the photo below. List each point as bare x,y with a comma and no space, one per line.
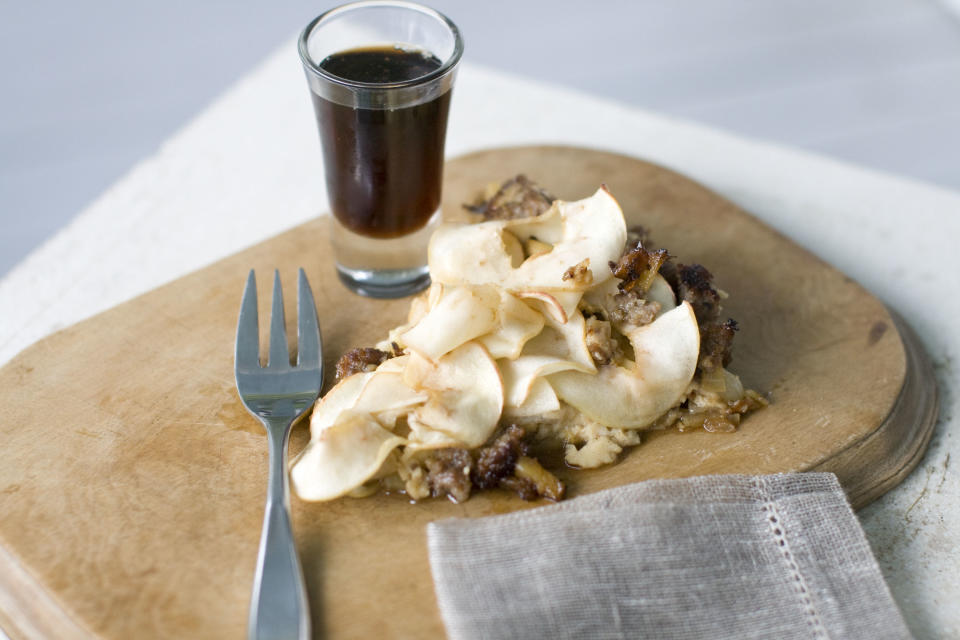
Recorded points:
381,74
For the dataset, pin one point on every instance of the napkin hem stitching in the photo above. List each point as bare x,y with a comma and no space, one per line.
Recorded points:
778,530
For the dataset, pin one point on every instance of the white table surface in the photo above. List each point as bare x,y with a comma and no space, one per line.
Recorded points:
249,167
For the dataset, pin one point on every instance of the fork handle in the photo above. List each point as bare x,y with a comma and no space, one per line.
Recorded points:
278,607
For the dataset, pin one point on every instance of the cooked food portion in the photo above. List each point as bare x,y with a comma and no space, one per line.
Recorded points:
543,329
360,359
515,198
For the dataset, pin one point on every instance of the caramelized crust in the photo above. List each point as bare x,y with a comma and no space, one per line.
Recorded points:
637,268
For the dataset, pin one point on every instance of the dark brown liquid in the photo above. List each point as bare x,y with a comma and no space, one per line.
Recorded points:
384,166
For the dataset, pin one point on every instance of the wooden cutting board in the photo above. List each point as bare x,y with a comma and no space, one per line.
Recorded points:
132,482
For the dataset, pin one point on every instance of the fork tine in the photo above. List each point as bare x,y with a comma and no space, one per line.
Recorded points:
247,353
279,353
308,328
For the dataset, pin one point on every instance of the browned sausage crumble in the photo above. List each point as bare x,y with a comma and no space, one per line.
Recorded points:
518,197
504,462
359,360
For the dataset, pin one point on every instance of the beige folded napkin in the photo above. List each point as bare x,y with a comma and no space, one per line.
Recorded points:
779,556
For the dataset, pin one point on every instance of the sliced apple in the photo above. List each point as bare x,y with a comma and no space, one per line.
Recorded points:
545,303
593,229
661,291
534,246
520,375
469,254
568,301
385,396
461,314
516,323
421,304
541,400
632,397
466,394
513,248
558,305
563,341
423,437
342,457
340,398
546,229
601,295
394,365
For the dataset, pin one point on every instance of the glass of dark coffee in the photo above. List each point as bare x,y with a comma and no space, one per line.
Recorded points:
380,75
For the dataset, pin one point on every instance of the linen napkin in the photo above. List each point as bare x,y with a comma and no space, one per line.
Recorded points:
779,556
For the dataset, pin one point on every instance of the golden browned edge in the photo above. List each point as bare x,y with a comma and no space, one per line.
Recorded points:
901,440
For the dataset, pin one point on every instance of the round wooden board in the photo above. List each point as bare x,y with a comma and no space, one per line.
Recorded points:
132,492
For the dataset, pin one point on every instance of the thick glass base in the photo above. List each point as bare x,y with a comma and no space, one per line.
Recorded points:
391,268
388,283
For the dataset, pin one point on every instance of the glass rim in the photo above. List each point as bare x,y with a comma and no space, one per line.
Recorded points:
445,68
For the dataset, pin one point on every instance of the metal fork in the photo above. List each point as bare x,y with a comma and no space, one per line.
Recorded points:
278,394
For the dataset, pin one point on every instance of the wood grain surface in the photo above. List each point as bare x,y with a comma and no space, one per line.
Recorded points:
132,488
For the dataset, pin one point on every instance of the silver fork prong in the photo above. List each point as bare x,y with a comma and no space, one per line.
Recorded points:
308,327
279,352
247,354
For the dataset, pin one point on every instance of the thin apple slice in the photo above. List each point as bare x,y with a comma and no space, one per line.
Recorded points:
568,301
545,303
423,437
661,291
546,229
466,394
594,233
589,231
513,248
463,313
469,254
534,246
385,396
340,398
563,341
633,396
541,401
420,305
520,375
600,296
516,323
394,365
342,457
557,305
